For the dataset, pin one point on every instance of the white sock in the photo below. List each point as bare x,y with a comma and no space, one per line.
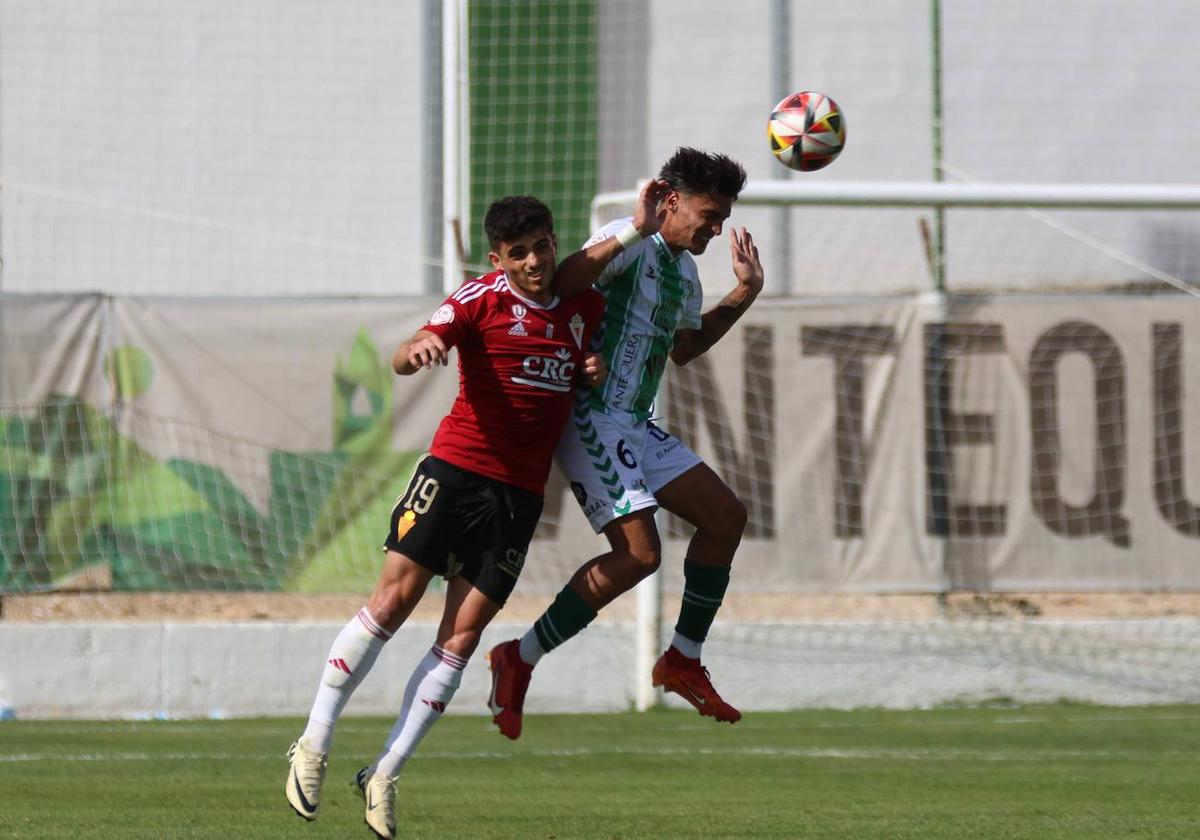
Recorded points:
531,648
350,658
688,647
432,684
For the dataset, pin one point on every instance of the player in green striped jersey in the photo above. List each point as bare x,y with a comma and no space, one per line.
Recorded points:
621,466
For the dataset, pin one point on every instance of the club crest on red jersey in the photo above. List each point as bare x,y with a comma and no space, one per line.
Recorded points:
576,327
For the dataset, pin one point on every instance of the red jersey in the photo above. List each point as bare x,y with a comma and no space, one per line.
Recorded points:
518,363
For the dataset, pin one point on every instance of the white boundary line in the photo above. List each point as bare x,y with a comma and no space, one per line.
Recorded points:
211,728
589,752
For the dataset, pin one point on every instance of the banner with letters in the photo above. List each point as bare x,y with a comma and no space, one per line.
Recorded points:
880,445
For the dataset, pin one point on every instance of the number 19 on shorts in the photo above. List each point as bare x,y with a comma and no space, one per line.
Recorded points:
421,493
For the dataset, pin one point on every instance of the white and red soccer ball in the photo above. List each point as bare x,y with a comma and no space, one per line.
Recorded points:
806,131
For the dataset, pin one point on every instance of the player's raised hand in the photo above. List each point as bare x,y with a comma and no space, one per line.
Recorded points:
746,266
428,350
649,212
594,369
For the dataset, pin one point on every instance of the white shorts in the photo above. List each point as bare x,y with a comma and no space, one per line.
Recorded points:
616,464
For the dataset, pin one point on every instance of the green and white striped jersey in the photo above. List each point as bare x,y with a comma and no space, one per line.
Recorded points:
649,293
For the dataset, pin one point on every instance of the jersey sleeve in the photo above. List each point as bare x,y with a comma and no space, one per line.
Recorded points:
594,313
622,260
451,321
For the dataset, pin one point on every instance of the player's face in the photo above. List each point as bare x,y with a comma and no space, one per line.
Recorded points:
692,220
529,263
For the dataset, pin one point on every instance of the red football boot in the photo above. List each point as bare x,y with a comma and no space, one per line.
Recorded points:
510,681
689,679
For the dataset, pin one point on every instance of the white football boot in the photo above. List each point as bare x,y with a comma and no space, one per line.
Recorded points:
379,796
306,773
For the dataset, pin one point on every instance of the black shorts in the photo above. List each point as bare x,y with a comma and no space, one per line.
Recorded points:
456,522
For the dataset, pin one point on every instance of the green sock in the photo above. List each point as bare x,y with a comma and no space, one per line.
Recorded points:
703,589
563,619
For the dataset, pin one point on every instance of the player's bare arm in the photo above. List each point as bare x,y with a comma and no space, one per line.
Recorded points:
594,371
424,349
582,269
716,322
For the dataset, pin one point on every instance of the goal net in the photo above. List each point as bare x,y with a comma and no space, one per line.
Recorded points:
215,226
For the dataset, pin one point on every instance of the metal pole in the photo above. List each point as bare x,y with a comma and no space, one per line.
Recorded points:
451,24
463,161
937,454
781,60
926,194
939,213
434,228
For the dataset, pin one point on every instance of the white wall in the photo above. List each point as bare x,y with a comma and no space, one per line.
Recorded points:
276,146
1075,91
269,147
200,670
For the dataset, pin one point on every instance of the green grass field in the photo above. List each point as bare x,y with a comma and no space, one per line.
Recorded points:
1037,772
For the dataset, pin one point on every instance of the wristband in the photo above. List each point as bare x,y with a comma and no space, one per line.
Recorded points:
628,236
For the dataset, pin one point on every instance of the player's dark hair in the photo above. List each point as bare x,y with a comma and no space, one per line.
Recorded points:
514,216
702,173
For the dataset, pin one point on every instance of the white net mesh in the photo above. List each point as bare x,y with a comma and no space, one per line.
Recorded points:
885,444
157,148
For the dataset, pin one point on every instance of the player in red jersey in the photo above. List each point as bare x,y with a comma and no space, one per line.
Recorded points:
471,507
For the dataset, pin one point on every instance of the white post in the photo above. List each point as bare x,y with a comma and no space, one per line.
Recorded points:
935,310
943,194
648,623
452,27
781,61
463,161
648,629
647,637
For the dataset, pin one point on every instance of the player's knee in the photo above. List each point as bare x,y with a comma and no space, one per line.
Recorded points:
728,519
387,606
462,644
645,559
636,544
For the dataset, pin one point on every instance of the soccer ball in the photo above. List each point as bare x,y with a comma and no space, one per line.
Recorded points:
807,131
